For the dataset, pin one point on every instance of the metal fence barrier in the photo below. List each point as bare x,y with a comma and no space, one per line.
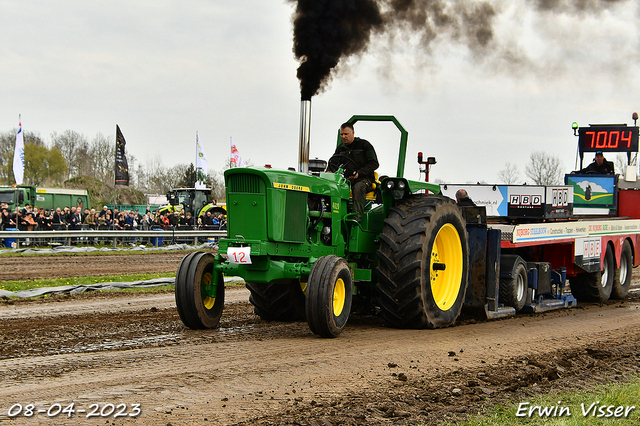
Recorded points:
156,237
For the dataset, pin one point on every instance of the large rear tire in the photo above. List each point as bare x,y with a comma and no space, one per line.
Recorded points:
329,295
423,263
282,301
199,291
595,286
622,277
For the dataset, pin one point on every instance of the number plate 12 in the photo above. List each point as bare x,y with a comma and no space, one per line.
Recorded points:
239,255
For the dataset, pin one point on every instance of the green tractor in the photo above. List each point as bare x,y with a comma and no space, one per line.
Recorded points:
193,200
293,239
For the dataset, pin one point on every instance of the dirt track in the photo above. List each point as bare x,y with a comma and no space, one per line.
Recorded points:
63,266
132,349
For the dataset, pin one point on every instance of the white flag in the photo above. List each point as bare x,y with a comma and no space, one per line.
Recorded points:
201,165
235,160
18,155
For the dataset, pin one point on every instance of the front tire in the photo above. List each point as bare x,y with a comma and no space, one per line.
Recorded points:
329,296
622,277
422,272
199,291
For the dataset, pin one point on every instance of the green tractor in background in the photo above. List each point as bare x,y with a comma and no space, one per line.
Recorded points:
193,200
293,239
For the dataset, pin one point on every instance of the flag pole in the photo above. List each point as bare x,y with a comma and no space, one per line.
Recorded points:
115,174
196,163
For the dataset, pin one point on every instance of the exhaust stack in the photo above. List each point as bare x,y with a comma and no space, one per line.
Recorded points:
305,133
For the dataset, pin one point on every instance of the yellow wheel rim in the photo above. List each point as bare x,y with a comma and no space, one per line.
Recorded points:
446,267
207,301
338,297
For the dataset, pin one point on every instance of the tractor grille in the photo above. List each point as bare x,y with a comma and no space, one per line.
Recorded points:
295,216
245,184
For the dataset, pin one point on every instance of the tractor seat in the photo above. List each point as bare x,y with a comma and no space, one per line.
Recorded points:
371,195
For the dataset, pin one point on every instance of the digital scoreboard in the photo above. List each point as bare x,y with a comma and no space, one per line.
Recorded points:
620,138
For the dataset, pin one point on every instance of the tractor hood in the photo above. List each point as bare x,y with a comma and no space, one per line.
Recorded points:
259,179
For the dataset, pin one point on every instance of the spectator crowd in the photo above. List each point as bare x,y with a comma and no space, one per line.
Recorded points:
75,218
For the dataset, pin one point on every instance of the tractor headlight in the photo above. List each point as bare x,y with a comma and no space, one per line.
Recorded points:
402,184
390,184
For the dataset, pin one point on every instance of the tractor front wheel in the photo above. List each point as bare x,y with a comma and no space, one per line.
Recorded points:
329,295
199,291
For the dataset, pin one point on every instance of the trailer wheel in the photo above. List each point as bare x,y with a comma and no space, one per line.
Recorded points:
595,286
277,301
423,263
329,295
622,277
513,289
199,291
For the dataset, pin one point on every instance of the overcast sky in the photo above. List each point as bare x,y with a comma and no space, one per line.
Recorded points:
163,70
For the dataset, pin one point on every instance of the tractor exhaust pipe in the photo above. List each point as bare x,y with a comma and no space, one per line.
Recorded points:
305,133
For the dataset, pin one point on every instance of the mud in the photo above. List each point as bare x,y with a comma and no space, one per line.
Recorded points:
118,348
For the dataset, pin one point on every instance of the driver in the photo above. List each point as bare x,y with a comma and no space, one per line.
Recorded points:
359,170
599,166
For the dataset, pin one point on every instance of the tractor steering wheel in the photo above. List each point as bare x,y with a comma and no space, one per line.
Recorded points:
340,161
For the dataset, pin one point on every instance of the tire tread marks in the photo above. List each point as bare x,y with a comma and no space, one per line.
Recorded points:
277,301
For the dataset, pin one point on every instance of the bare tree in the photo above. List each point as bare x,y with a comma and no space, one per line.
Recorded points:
102,152
216,179
621,163
175,175
544,169
510,174
74,148
155,175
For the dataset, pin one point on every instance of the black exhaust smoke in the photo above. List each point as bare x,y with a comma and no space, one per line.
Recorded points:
325,32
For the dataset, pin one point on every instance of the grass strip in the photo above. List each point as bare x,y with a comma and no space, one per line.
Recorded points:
615,403
57,282
10,253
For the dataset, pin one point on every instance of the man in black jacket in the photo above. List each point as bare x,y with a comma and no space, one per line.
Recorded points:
359,170
463,200
599,166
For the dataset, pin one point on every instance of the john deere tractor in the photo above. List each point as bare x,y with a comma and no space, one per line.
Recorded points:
293,238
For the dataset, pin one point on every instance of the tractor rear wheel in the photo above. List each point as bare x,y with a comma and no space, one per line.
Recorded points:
280,301
595,286
199,291
329,295
622,277
423,263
